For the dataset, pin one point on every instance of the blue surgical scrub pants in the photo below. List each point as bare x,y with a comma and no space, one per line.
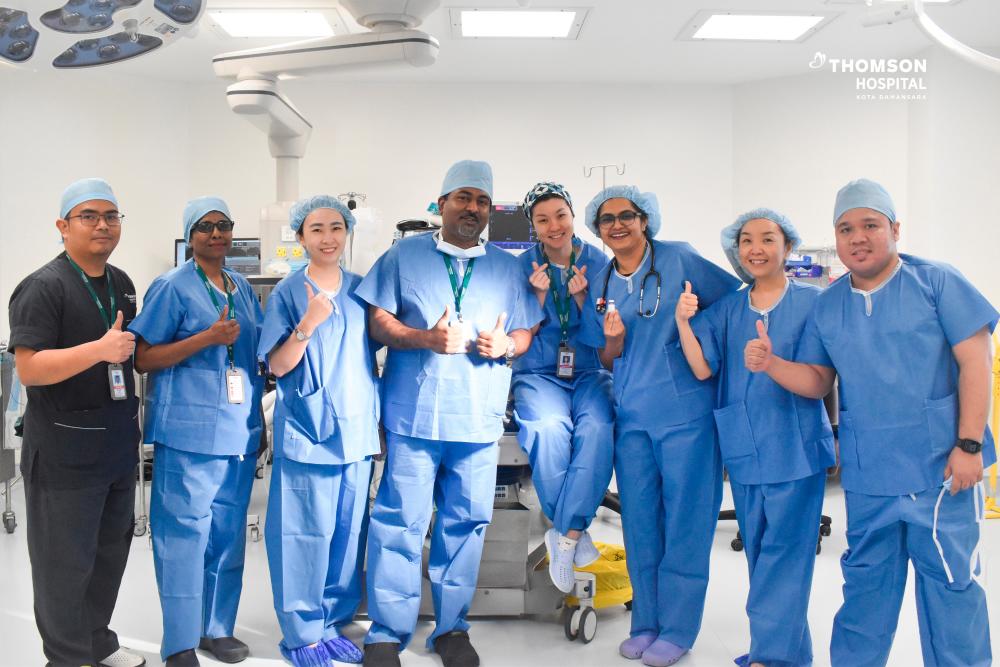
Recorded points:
198,516
779,524
460,479
566,428
316,523
883,533
670,490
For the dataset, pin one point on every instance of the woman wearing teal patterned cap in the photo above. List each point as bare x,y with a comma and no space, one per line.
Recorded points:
562,394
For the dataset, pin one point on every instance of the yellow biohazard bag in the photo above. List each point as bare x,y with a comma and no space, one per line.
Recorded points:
613,585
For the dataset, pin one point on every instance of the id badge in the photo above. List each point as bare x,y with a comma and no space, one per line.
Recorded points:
566,362
234,386
116,380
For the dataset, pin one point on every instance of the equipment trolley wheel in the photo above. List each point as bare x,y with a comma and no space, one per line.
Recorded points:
9,522
737,544
571,621
588,625
140,527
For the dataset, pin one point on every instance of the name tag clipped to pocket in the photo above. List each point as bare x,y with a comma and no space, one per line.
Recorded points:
116,381
234,386
566,362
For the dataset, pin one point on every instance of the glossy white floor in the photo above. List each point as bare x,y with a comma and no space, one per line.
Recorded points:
501,642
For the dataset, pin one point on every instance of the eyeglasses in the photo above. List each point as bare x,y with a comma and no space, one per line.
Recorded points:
626,218
206,226
113,218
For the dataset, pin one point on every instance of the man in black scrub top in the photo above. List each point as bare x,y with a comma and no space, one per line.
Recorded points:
78,458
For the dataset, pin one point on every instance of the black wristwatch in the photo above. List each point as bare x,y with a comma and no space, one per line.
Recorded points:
969,446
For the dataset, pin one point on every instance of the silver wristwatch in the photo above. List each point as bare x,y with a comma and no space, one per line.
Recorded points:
511,350
299,336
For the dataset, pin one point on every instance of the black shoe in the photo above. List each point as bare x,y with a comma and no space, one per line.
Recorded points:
186,658
456,650
381,654
225,649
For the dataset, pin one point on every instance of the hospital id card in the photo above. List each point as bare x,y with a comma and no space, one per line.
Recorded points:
468,334
566,362
116,380
234,386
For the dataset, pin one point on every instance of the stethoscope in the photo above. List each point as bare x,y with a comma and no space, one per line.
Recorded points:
602,303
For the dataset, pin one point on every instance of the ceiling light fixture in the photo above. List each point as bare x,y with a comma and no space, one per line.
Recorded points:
754,26
563,23
272,22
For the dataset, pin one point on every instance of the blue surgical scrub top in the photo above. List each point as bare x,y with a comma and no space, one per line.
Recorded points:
451,397
892,348
187,405
542,356
328,405
767,434
654,386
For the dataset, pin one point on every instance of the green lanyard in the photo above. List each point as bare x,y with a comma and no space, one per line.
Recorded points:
218,306
562,307
109,320
459,292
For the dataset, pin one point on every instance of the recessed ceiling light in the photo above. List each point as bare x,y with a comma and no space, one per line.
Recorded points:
272,22
562,23
754,26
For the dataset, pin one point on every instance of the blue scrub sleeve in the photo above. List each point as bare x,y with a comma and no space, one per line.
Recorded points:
961,309
527,313
380,287
161,315
811,349
710,332
279,321
708,281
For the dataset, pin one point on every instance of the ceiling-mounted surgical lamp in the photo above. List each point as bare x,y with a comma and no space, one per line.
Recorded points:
894,12
256,95
72,34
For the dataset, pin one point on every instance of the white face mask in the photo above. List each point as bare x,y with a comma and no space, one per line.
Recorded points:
477,250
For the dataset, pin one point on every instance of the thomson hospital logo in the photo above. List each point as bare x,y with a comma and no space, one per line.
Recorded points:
879,78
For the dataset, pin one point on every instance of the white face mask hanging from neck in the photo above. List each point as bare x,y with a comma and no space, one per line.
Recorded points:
477,250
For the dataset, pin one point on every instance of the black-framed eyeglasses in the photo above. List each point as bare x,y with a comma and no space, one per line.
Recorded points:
207,226
89,219
626,218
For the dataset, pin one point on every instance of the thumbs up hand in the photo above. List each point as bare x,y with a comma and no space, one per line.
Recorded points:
116,345
687,304
318,310
223,331
757,354
446,337
493,344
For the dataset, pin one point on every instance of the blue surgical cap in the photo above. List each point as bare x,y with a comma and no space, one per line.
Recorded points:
83,190
468,174
731,235
544,190
303,207
864,193
196,209
644,201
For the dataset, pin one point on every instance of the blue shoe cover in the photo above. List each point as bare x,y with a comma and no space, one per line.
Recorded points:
343,649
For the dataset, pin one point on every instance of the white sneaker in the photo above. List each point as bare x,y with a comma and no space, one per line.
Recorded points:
123,658
586,552
561,550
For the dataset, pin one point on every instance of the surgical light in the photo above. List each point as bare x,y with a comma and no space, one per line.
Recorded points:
90,33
